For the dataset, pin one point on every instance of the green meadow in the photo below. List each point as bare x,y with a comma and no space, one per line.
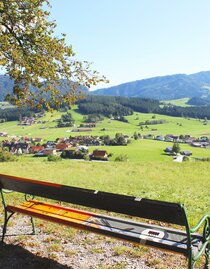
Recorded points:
178,102
48,130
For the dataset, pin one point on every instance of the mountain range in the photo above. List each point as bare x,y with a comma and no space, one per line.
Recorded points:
163,87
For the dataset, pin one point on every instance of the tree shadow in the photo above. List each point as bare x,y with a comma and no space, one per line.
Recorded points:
16,257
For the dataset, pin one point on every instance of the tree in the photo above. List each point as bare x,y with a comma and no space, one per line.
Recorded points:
135,136
66,120
176,147
38,62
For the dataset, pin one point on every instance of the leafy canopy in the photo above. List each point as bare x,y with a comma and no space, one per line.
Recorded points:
38,62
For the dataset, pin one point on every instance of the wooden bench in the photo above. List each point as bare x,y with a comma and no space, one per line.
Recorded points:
186,242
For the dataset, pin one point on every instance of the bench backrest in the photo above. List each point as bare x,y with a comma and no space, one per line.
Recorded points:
129,205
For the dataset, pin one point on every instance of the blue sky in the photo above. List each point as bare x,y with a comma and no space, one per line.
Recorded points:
134,39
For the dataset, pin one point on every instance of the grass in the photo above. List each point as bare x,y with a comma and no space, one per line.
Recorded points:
178,102
187,183
48,131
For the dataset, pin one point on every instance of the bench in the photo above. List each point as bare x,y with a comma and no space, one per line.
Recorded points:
183,241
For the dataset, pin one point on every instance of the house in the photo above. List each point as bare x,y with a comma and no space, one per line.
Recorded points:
168,150
83,148
196,144
203,139
27,121
186,153
82,130
99,155
46,152
190,140
205,144
16,146
88,125
3,134
36,139
160,138
149,136
62,146
50,144
178,159
35,149
169,139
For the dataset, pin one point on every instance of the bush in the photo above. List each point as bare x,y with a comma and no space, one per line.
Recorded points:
186,159
121,158
6,156
86,157
73,154
53,158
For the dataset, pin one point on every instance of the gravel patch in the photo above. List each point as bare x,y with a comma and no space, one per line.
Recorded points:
56,246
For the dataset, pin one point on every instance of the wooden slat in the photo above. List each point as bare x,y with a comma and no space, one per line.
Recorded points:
135,232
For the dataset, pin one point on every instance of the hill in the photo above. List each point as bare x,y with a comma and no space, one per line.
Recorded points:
164,87
6,86
161,88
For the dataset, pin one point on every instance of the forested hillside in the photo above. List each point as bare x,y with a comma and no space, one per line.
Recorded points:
195,87
164,87
123,106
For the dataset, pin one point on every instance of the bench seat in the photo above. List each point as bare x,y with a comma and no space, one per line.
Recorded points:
125,229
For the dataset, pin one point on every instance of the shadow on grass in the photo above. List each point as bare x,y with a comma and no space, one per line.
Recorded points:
16,257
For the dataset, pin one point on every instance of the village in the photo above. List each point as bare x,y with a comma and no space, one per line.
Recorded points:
77,147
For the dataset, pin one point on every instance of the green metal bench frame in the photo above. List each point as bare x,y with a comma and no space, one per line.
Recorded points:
173,213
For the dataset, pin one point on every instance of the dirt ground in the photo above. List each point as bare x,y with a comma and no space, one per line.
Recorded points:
56,246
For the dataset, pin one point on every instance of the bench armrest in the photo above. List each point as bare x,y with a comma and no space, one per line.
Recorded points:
202,249
6,191
204,220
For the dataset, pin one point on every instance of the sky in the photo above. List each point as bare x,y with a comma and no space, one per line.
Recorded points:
130,40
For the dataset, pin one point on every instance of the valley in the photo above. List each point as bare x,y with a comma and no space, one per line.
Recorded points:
147,171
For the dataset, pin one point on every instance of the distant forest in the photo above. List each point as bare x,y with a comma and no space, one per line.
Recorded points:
123,106
13,113
117,107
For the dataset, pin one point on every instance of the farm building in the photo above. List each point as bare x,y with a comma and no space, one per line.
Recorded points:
3,134
99,155
82,130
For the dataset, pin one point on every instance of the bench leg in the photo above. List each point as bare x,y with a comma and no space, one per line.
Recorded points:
33,226
191,264
207,252
6,219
